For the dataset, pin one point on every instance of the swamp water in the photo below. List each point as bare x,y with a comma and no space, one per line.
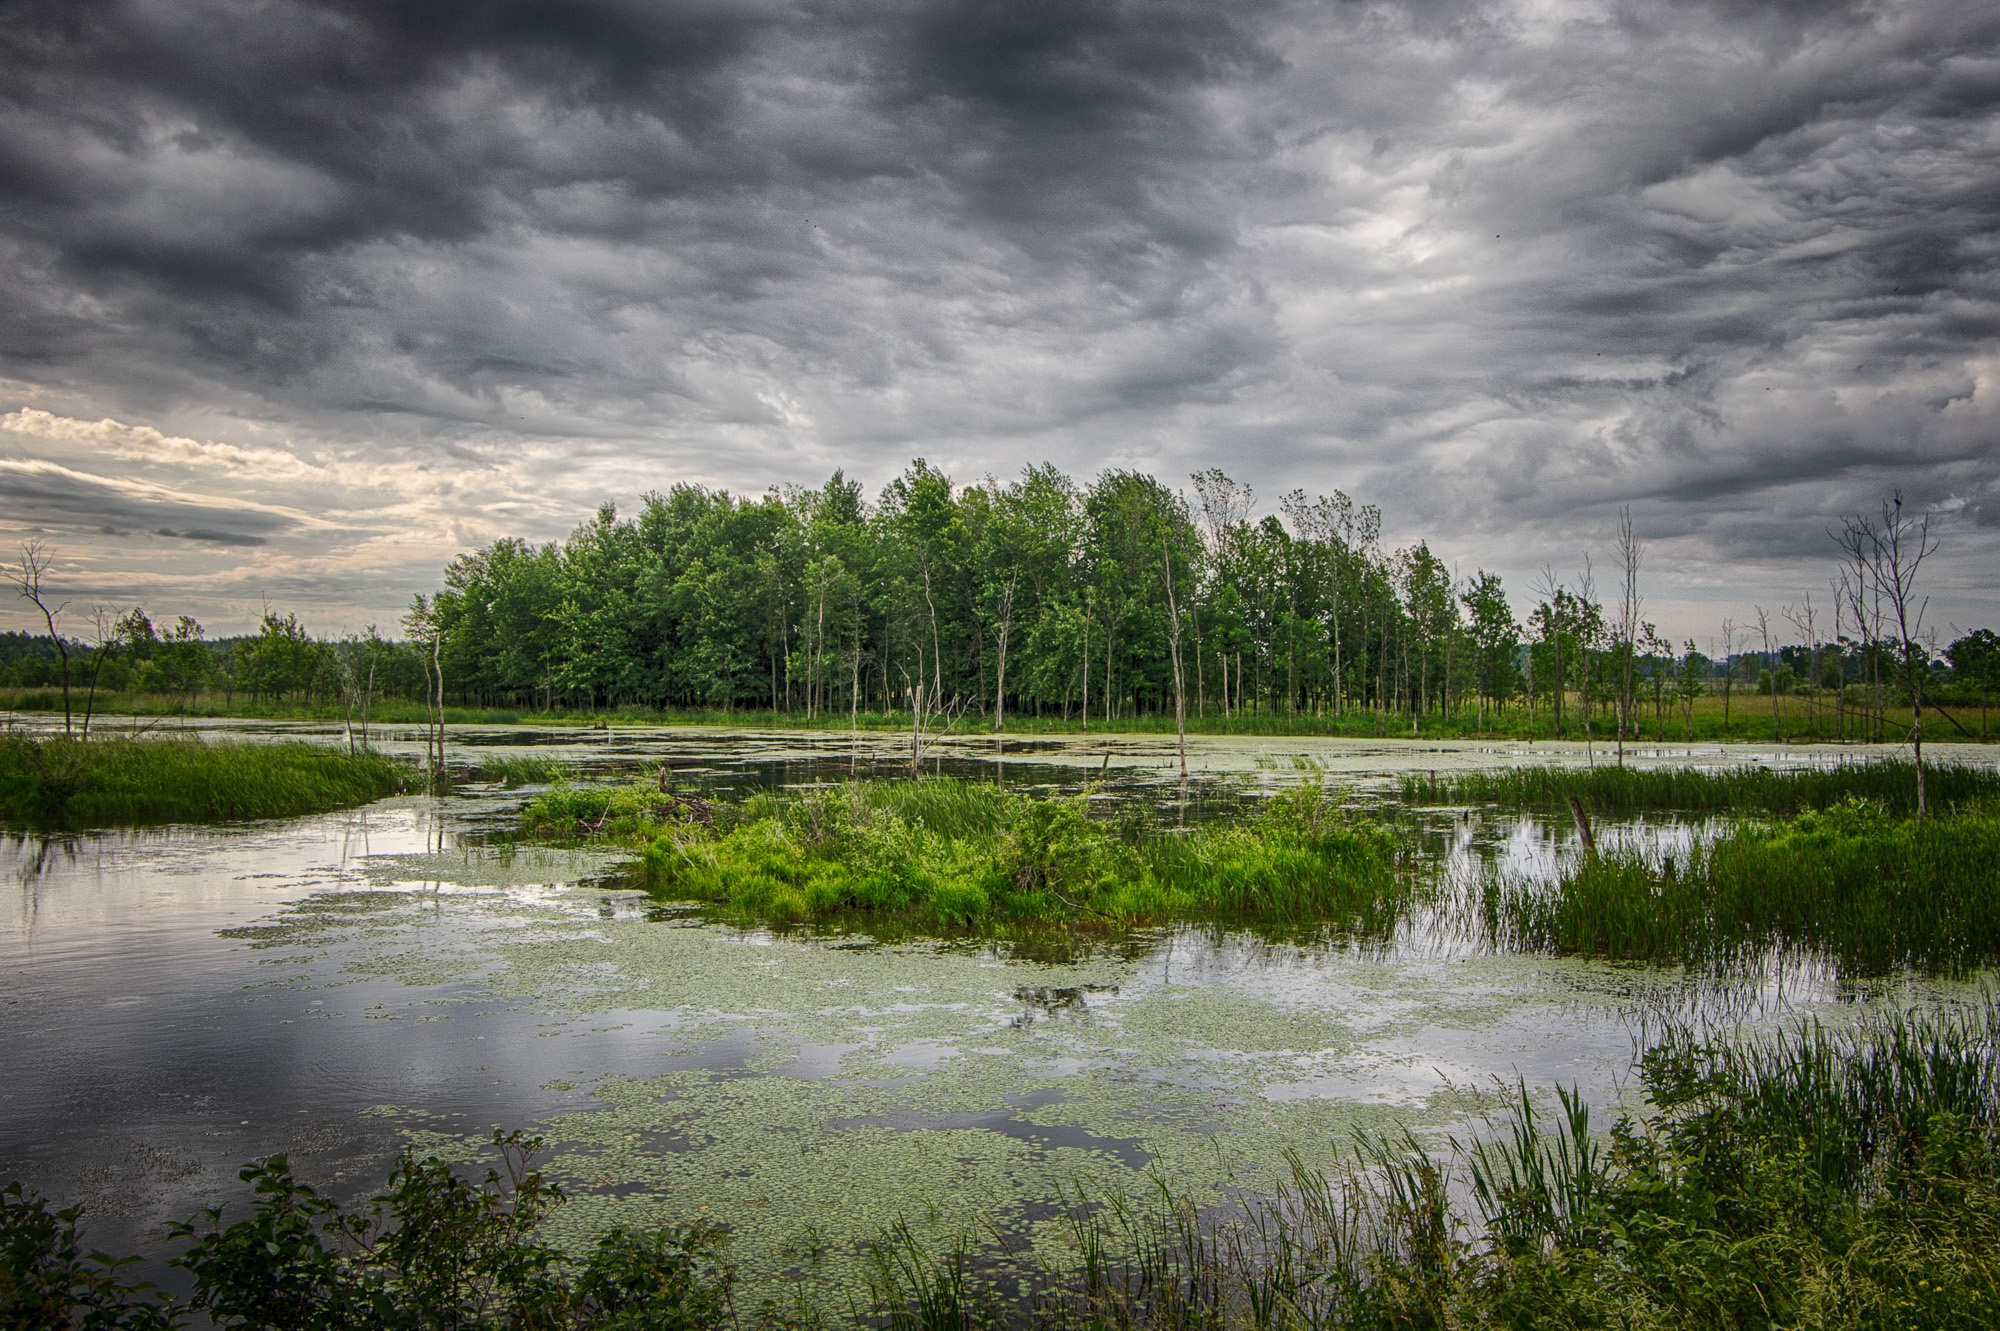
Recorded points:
180,1001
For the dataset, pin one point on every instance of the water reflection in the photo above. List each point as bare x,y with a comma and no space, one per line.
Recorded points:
179,1001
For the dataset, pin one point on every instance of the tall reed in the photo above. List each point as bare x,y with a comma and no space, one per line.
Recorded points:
1848,883
1891,783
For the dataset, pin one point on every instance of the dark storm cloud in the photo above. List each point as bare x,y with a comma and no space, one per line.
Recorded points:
1500,267
65,502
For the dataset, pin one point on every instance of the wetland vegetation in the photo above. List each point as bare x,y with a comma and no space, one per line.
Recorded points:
54,781
1848,883
950,854
1816,1178
1843,872
1050,604
1607,789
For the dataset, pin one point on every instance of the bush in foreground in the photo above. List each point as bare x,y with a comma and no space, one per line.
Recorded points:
434,1251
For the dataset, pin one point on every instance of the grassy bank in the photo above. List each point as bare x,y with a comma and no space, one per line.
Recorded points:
57,782
1849,882
1819,1179
1891,784
1750,720
952,854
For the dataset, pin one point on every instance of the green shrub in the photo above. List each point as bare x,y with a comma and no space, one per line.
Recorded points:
435,1250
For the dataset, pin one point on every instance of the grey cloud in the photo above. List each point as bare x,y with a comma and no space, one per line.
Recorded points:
1500,270
84,505
213,537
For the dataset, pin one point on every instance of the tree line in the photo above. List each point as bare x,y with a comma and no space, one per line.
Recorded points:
1116,599
1043,597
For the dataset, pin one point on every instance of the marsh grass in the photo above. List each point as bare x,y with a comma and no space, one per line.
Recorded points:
1891,783
1815,1178
57,782
521,769
1848,883
950,854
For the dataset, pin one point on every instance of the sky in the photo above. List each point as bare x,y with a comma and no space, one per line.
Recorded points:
301,298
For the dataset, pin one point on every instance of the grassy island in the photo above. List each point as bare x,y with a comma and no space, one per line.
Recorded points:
54,781
953,854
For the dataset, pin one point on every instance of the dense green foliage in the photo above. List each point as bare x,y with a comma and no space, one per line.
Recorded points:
1040,598
52,781
1613,790
1043,597
433,1251
948,854
1846,882
1815,1179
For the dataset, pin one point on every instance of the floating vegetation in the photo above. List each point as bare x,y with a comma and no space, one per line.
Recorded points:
950,854
1848,882
60,782
1817,1178
1891,783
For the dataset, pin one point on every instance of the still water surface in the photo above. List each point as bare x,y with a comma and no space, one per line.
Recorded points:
179,1001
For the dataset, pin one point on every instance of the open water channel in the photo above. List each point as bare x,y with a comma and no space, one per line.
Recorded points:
176,1002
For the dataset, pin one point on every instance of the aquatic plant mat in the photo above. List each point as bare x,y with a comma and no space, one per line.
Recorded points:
1816,1178
946,854
53,781
1608,789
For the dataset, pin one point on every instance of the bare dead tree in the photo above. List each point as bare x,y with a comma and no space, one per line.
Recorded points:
104,641
1896,546
1729,631
423,625
930,716
1764,631
1805,620
1865,611
1629,550
1174,643
30,577
1000,653
1591,623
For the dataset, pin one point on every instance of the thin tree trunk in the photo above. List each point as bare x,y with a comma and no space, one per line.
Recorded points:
1174,638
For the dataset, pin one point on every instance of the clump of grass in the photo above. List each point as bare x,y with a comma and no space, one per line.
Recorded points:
953,854
60,782
521,769
1849,883
1891,783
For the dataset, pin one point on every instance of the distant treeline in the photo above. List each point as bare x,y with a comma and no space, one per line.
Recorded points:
1040,597
280,662
1046,597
